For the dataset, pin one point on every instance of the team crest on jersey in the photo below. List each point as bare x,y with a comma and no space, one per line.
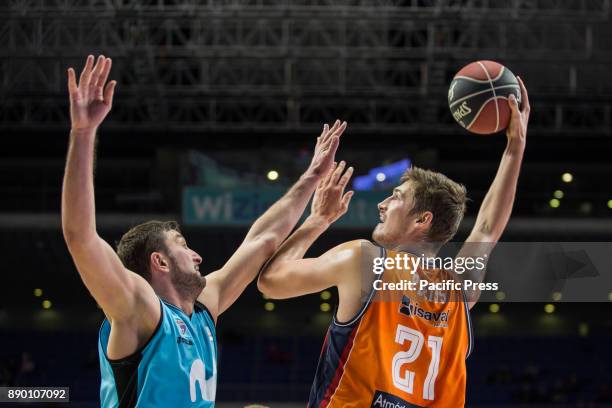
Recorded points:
436,319
181,326
184,336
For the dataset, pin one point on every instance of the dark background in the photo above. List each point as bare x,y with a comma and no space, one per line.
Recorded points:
249,83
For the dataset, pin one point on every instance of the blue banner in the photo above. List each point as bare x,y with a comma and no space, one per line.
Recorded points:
215,206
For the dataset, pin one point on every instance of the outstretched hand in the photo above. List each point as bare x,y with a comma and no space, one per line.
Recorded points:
325,149
517,129
330,201
91,99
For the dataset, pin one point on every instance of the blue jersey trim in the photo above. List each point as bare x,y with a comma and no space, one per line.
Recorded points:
362,310
469,325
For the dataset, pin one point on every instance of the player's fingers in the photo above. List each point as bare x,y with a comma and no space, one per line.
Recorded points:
85,74
72,85
345,177
331,131
330,148
322,135
326,180
335,132
109,92
340,129
346,200
337,173
108,63
524,96
513,106
97,70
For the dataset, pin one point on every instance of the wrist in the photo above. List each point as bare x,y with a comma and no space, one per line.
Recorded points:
310,176
515,145
317,221
91,130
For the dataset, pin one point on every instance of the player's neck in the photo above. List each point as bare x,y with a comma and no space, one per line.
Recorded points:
170,295
417,248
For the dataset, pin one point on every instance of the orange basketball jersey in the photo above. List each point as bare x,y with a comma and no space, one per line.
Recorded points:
406,348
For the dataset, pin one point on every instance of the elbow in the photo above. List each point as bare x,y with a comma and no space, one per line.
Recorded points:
265,284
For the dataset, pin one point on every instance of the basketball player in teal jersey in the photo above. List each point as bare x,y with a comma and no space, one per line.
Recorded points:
157,345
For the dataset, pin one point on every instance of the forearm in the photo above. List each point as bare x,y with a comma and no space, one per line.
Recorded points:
78,205
278,221
293,248
497,205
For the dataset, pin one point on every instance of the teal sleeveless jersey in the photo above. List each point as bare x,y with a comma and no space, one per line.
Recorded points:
176,368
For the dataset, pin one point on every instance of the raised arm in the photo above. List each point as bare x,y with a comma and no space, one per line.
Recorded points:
267,233
116,289
287,274
497,205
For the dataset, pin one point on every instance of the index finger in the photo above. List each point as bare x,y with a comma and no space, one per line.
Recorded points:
524,96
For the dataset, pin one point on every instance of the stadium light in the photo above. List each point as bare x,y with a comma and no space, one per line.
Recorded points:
493,308
567,177
554,203
326,295
556,296
272,175
46,304
325,307
38,292
380,177
558,194
610,204
549,308
269,306
500,295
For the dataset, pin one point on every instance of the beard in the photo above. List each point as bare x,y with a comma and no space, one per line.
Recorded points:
379,236
189,284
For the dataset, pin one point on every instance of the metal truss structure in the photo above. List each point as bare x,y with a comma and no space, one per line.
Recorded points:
266,65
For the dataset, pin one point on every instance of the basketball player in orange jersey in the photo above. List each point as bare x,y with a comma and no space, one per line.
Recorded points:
407,347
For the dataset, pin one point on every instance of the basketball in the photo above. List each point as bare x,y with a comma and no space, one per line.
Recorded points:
478,96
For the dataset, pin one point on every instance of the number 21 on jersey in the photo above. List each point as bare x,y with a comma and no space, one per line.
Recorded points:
404,380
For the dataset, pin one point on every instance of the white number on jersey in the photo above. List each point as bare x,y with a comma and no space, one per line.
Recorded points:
405,380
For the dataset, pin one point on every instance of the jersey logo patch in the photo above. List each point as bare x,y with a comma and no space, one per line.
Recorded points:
439,319
181,326
386,400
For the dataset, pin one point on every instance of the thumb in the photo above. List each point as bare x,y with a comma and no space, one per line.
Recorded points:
346,199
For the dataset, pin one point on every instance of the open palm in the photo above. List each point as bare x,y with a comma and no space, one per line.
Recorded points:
91,99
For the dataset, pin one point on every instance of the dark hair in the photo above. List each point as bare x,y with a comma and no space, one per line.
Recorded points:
442,196
137,245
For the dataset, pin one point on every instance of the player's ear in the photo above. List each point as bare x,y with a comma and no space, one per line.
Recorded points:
159,262
425,218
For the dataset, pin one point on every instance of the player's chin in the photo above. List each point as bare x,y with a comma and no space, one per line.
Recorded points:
378,233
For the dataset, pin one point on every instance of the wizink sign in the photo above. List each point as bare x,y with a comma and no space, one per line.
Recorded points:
214,206
240,206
